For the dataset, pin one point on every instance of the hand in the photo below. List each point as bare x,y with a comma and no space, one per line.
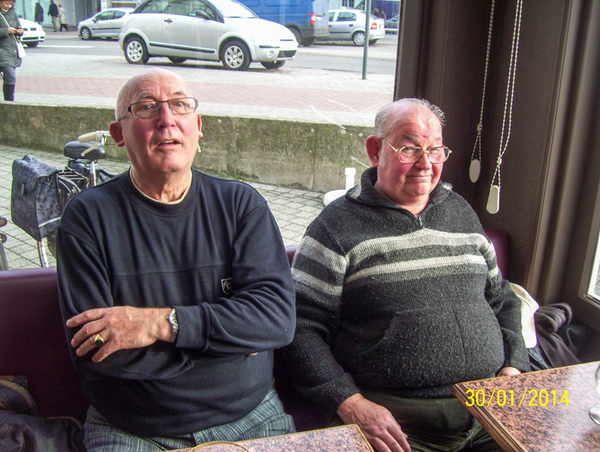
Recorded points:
121,327
376,422
508,371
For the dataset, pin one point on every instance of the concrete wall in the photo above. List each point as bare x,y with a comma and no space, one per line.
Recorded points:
295,154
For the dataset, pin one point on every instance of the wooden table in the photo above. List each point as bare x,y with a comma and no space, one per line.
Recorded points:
346,438
544,411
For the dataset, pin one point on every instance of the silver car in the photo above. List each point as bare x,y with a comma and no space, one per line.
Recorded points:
349,25
105,24
214,30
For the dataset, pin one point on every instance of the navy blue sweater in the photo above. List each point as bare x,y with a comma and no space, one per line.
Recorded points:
218,257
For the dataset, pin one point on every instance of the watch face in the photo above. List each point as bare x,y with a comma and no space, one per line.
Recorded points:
173,319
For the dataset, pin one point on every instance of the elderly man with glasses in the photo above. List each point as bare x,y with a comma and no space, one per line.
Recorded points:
399,297
175,288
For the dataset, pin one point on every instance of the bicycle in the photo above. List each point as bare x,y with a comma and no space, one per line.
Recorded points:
81,172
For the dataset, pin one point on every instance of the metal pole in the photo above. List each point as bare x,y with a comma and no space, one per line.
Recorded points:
366,47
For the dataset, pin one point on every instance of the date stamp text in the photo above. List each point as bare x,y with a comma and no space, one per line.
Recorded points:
527,397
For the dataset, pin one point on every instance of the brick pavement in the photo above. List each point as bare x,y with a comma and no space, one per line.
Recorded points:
293,209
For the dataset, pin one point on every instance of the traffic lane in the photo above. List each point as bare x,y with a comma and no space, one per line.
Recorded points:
331,55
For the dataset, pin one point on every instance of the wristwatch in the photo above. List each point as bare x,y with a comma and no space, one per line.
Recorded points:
172,318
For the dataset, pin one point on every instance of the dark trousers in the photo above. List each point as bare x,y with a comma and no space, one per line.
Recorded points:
436,425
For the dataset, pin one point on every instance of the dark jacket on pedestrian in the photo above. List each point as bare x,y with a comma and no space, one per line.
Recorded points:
53,10
39,13
8,43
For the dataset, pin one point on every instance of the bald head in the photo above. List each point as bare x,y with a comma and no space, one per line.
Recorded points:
130,88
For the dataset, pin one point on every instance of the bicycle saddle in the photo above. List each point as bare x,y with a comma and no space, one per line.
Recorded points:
75,150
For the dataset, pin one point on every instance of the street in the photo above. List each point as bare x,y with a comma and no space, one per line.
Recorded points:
323,84
340,56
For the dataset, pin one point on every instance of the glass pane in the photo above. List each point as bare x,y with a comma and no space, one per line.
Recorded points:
594,288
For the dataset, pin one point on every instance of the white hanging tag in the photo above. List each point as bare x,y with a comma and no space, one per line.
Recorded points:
493,204
474,170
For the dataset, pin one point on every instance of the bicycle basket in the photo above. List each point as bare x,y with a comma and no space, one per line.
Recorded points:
35,201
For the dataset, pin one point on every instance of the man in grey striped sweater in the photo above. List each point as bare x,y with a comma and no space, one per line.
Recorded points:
399,297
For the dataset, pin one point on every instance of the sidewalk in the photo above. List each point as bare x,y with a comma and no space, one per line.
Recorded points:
293,209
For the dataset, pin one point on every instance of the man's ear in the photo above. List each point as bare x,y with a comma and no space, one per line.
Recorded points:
200,127
116,133
374,148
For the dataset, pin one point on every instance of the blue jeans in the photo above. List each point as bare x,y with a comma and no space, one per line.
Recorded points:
267,419
10,75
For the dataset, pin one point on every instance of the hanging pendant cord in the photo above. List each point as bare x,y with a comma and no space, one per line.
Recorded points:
477,147
510,89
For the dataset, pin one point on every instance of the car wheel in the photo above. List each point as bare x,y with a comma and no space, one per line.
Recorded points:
135,51
358,38
32,44
86,34
273,64
177,60
308,42
296,34
372,42
235,56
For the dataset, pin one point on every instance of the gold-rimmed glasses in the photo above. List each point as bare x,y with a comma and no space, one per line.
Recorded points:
411,154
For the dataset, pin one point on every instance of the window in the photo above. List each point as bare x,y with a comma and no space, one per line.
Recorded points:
345,16
594,286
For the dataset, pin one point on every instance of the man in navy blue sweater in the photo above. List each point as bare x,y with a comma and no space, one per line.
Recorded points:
175,288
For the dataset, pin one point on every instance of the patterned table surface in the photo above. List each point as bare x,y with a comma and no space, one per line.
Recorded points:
544,411
347,438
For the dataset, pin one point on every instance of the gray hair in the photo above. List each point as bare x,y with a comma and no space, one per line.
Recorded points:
383,115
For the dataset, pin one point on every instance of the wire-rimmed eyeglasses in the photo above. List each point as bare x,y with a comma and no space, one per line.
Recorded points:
147,109
411,154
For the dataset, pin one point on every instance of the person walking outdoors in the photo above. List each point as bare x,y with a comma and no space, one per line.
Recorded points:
63,18
10,28
39,13
54,13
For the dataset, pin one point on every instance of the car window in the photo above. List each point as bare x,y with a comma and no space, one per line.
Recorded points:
198,5
331,16
156,6
119,14
181,7
106,15
345,16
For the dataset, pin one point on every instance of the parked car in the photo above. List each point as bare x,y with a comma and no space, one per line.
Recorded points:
392,24
33,33
214,30
105,24
349,25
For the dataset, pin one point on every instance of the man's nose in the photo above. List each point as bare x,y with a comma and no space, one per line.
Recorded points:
424,160
164,113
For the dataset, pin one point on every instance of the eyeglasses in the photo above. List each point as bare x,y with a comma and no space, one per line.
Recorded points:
412,154
147,109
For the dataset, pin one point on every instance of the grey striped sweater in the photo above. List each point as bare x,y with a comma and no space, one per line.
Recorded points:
392,302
